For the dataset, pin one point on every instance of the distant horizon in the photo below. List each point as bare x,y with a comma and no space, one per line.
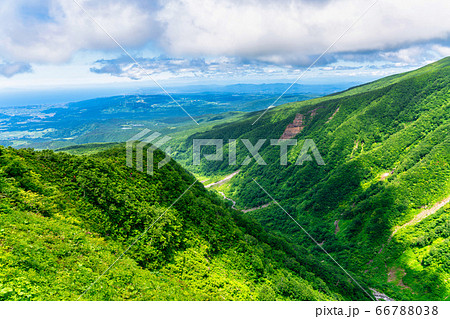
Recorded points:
47,96
66,93
80,46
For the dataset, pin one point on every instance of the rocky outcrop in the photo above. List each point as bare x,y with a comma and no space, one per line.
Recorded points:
380,296
294,128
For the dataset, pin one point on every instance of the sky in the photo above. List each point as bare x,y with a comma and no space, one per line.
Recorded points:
47,44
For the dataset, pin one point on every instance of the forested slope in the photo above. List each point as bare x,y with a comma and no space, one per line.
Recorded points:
65,219
386,146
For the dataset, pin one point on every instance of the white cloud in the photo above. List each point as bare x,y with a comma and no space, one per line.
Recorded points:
292,31
287,33
185,68
52,31
442,50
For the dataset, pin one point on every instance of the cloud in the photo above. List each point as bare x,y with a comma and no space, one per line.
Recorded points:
442,49
401,59
294,32
413,55
289,33
10,69
184,67
52,31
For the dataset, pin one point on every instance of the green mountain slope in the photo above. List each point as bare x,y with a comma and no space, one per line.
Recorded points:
65,219
386,146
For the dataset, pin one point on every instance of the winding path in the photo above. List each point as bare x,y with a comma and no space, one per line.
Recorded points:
255,208
224,180
419,217
422,215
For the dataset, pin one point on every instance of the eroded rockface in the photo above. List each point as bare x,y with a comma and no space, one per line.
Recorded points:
294,128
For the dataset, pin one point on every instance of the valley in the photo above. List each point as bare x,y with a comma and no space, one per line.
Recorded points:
380,202
379,206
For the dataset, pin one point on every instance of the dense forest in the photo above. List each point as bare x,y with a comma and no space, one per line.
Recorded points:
64,219
379,204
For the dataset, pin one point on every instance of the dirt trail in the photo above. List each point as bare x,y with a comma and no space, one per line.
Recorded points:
422,215
224,180
255,208
419,217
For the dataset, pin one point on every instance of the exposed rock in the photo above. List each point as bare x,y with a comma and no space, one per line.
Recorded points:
294,128
380,296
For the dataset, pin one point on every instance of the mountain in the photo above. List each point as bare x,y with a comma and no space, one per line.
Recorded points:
91,228
380,204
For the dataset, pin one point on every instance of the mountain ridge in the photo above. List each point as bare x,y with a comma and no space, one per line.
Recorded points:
386,148
66,219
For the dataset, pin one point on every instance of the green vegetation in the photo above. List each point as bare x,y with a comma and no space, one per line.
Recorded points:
379,206
64,219
386,146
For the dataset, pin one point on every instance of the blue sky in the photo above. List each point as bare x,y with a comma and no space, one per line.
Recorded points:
53,43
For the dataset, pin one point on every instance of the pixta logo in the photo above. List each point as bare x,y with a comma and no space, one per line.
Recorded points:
142,142
307,153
